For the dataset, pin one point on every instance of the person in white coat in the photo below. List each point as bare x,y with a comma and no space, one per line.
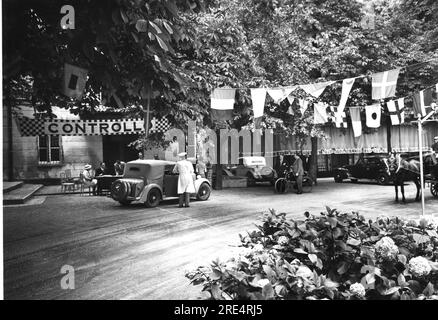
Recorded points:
185,180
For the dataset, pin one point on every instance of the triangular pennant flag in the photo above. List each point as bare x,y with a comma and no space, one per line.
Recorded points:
396,111
304,104
355,121
423,102
384,84
316,89
291,99
258,97
320,113
222,103
373,114
280,94
75,79
347,84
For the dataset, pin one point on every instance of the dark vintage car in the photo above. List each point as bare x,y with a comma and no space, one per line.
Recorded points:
150,181
368,167
256,170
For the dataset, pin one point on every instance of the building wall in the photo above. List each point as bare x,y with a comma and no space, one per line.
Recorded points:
76,152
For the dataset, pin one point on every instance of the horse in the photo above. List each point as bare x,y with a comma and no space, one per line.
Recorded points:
400,171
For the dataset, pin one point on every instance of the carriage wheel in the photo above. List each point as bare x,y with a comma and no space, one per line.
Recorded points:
307,184
281,185
434,189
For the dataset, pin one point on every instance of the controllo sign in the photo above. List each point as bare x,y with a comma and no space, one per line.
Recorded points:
93,127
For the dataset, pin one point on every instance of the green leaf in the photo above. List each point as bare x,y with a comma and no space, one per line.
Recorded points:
333,221
270,273
313,257
168,27
299,250
216,292
390,291
162,44
402,258
268,291
141,25
157,29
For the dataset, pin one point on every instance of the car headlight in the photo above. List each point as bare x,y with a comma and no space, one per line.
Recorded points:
198,176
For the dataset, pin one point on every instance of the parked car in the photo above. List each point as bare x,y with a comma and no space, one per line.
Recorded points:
150,181
367,167
256,170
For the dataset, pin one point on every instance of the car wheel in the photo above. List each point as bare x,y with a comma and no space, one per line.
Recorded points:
382,179
125,202
434,189
120,190
338,178
281,185
307,185
204,192
153,198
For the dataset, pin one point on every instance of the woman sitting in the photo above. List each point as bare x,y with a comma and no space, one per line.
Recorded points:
89,180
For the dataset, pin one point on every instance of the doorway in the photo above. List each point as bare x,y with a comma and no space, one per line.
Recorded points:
115,147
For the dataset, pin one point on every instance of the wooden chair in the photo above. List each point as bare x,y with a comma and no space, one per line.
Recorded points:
66,184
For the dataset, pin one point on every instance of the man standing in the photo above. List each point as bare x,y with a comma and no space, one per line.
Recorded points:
298,171
434,149
88,177
185,180
140,156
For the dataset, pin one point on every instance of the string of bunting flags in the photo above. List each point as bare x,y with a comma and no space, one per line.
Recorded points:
384,85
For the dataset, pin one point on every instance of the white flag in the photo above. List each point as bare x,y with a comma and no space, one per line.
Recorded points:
258,97
279,95
355,121
373,114
316,89
347,84
396,111
320,113
304,104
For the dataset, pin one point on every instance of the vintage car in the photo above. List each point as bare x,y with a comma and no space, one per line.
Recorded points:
255,169
367,167
150,181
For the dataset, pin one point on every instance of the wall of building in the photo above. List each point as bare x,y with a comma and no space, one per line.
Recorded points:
76,152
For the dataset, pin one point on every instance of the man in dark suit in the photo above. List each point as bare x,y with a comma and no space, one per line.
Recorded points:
298,171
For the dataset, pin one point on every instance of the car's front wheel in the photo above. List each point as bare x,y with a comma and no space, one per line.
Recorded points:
153,198
383,179
204,192
338,178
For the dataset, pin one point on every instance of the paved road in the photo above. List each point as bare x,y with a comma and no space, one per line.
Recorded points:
138,253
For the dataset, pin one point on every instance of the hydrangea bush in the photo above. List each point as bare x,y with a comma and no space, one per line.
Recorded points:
331,256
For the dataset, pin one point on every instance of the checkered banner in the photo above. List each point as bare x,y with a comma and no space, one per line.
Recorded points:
159,125
35,127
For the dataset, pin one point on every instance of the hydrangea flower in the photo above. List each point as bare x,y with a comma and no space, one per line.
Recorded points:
428,221
419,266
263,282
357,290
283,240
386,248
258,247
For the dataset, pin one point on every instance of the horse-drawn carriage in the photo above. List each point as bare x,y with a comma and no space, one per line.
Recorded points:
431,177
402,170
